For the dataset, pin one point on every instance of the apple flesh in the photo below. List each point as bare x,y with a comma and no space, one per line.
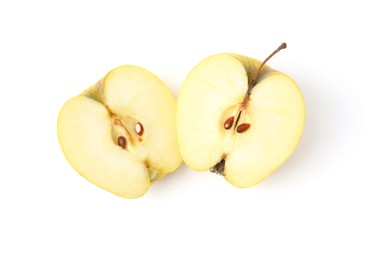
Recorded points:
120,134
243,135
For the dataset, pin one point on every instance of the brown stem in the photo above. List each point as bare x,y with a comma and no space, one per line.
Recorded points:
255,78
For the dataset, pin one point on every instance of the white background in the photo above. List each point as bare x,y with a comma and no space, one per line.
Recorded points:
330,200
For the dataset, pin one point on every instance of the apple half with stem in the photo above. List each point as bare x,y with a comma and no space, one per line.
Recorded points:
238,117
120,134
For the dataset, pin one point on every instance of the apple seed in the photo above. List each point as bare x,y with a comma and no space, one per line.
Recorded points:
122,142
228,123
139,129
242,128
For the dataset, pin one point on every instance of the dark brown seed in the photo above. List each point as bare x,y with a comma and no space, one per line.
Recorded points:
122,142
139,129
242,128
228,123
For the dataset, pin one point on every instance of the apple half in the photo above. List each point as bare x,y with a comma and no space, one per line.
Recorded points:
239,118
120,134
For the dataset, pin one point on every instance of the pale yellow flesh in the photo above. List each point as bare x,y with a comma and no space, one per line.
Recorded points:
213,92
85,132
144,97
94,155
210,88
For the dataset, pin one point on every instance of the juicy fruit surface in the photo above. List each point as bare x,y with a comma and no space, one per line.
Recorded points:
213,92
88,132
95,155
135,92
213,86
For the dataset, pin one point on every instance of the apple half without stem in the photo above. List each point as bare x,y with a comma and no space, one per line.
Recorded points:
120,134
239,118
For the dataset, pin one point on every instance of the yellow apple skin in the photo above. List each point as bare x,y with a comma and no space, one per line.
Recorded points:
214,91
89,125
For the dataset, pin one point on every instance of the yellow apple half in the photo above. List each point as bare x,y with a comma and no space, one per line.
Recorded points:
273,115
130,104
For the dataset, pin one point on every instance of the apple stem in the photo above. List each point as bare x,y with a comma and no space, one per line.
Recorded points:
255,78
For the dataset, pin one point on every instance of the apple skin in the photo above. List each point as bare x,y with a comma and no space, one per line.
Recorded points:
214,91
88,132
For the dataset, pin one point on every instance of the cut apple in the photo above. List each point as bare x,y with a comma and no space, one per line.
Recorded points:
120,134
239,118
